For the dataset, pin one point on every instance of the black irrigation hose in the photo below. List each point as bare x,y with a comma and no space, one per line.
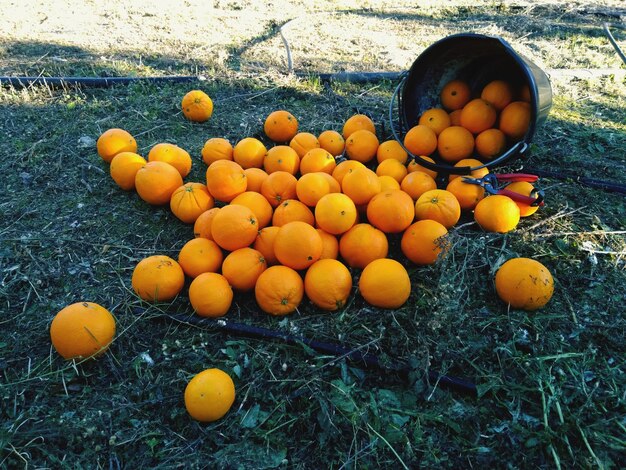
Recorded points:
94,82
355,355
591,182
613,42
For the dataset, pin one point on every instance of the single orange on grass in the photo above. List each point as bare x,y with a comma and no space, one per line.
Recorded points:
497,213
328,284
362,244
217,148
114,141
200,255
332,142
280,126
197,106
210,295
278,187
335,213
435,118
297,245
158,278
249,152
281,158
420,140
385,283
124,168
279,290
391,211
176,156
155,182
455,94
191,200
524,283
209,395
243,267
424,241
234,227
439,205
82,330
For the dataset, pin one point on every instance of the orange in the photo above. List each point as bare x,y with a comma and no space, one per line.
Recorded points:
420,140
330,245
255,177
424,241
467,194
158,278
217,148
393,168
515,119
249,152
291,210
414,165
200,255
210,295
361,146
435,118
524,283
257,203
387,183
385,283
391,211
174,155
225,179
234,227
297,245
472,163
328,284
279,187
279,290
455,143
124,168
155,182
189,201
264,244
417,183
524,94
317,160
332,142
455,117
391,149
455,94
361,185
243,267
335,213
114,141
362,244
81,330
490,143
280,126
358,122
311,187
197,106
524,188
345,167
439,205
281,158
478,115
302,142
497,92
202,225
209,395
497,213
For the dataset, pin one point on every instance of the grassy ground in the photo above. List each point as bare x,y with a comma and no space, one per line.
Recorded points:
550,383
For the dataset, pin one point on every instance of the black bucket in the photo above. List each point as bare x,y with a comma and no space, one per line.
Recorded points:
476,59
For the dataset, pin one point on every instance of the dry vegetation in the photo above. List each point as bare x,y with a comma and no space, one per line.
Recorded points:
550,383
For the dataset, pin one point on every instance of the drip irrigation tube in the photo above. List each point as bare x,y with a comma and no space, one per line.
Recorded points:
355,355
93,82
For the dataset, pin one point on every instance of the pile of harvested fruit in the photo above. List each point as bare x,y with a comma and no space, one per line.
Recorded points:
289,219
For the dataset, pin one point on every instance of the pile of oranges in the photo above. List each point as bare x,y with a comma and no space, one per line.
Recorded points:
289,221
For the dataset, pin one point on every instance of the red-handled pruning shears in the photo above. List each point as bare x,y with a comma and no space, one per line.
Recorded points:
492,183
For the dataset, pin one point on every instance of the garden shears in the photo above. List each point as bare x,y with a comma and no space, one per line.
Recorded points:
494,183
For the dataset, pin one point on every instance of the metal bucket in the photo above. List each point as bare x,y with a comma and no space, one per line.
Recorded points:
476,59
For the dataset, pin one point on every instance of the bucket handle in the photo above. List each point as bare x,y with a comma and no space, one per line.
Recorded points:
519,148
